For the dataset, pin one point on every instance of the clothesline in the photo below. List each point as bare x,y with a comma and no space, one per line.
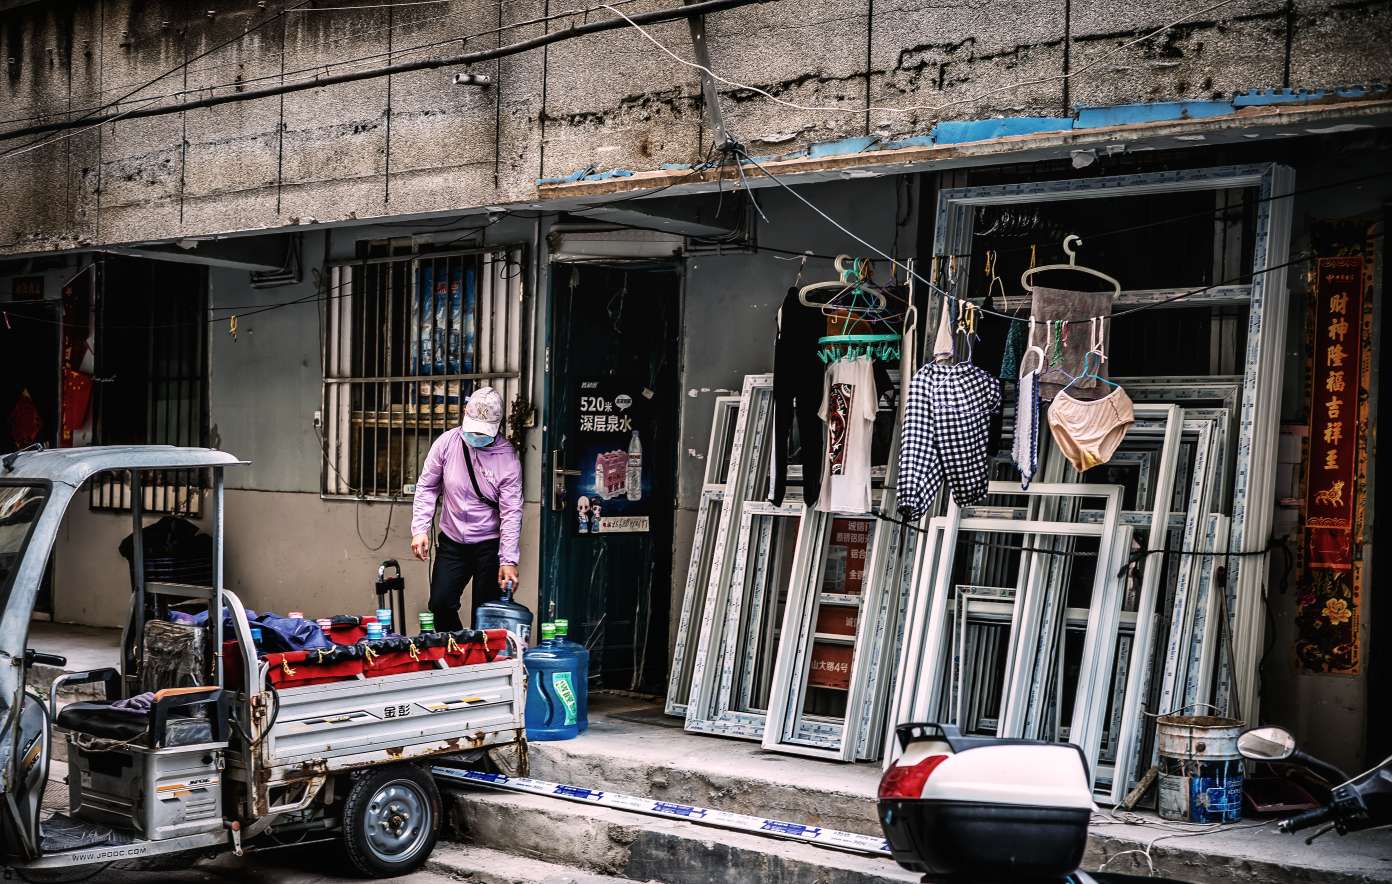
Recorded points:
744,156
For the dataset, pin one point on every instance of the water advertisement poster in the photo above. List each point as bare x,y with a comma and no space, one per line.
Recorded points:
613,494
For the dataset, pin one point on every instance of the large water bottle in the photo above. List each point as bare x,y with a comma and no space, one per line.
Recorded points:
505,614
553,709
633,477
580,666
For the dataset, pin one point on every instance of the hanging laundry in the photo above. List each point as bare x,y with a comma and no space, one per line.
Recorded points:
1014,348
849,403
797,395
1070,344
1088,431
1024,450
945,435
944,345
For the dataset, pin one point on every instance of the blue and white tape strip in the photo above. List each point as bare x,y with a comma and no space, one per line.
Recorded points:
704,815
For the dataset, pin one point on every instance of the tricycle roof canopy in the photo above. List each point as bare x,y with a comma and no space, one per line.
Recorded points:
73,466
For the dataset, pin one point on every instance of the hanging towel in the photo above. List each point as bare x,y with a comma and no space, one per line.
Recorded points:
1025,450
1054,305
946,435
1014,349
944,345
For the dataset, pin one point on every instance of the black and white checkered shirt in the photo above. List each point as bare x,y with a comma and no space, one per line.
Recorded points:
945,434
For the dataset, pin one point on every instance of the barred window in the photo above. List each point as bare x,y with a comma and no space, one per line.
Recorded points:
407,340
150,384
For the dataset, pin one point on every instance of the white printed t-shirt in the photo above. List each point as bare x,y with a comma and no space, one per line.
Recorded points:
848,409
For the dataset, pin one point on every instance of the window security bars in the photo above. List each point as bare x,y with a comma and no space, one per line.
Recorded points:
152,365
408,339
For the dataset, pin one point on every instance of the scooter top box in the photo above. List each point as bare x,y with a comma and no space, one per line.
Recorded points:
976,808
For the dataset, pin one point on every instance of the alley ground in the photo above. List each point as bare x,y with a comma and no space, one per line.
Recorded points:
296,865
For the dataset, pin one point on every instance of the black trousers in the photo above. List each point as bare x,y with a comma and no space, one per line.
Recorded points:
455,565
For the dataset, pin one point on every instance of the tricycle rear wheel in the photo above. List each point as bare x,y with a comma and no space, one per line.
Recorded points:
391,819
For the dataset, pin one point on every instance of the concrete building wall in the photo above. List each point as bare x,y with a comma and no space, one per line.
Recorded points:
413,143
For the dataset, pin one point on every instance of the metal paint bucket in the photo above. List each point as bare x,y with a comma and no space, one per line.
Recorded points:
1200,768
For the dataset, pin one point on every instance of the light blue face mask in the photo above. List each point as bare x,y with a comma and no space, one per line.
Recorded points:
477,440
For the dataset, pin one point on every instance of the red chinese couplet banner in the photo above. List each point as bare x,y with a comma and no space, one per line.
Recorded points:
1328,606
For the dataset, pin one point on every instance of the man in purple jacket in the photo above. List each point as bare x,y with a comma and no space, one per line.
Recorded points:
477,476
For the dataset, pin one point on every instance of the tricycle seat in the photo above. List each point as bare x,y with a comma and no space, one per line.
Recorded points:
135,765
131,724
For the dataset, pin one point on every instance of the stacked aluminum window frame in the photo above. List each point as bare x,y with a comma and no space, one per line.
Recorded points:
1253,489
716,475
746,474
921,694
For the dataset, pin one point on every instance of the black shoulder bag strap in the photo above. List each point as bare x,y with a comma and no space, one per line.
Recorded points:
473,477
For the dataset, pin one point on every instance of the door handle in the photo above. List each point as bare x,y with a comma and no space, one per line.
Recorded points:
559,473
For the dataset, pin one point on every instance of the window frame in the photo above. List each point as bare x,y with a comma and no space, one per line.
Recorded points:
503,301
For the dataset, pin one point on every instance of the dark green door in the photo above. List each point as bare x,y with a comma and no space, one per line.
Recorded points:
611,431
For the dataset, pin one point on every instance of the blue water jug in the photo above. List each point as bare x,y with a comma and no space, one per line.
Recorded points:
553,708
581,667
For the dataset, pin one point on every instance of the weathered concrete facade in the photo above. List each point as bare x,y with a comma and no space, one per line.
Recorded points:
414,143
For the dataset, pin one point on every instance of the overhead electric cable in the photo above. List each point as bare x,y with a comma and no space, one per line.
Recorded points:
324,68
92,116
468,58
932,285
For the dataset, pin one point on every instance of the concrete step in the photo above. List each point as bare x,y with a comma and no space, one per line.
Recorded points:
639,847
668,764
1250,852
480,865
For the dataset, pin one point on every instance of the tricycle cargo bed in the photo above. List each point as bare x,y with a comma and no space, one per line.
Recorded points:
341,725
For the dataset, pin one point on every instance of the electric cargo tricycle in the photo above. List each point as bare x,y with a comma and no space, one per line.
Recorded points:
224,760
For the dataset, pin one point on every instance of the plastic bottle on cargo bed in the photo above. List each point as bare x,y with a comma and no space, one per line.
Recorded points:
553,709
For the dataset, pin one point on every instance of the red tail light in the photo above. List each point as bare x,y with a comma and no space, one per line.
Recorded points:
906,780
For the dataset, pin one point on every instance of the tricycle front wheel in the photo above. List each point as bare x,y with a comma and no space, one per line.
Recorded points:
391,819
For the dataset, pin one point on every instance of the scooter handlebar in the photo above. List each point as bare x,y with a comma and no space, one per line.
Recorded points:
1307,819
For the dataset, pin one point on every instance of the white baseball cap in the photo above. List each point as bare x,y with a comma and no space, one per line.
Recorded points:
483,413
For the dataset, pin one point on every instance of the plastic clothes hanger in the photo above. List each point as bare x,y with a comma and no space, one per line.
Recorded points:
1096,332
1031,347
853,278
1068,247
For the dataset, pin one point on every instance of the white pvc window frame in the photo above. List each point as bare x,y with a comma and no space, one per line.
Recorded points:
752,435
723,421
1263,364
920,694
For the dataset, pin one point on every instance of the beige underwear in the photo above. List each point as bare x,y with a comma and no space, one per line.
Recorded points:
1088,431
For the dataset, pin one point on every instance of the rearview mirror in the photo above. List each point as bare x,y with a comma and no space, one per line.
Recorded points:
1266,744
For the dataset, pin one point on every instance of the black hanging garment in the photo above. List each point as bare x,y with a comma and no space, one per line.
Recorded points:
797,392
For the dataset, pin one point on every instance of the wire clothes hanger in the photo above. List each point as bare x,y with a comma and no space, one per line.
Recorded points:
1069,242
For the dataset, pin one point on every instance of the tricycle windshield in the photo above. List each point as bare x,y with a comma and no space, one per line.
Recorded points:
20,506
